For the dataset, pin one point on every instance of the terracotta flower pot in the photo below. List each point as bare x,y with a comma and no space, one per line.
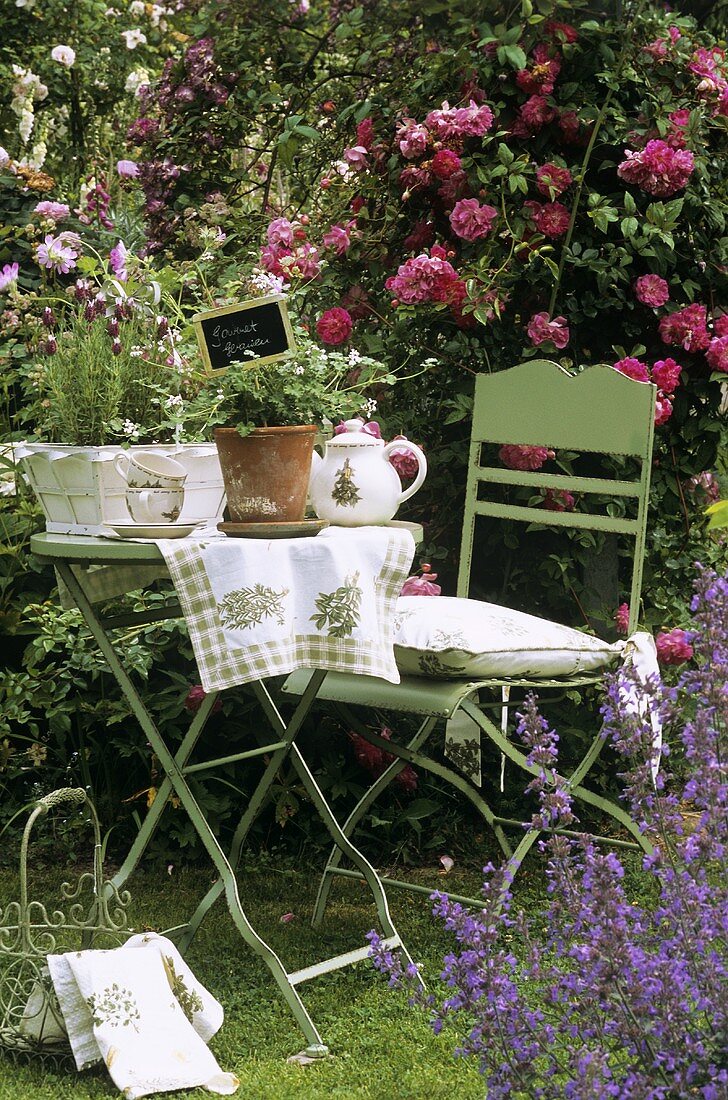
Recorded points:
266,473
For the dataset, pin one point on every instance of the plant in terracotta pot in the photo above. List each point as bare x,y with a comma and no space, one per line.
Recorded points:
266,418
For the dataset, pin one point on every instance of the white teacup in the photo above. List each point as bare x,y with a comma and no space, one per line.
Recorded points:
147,470
155,506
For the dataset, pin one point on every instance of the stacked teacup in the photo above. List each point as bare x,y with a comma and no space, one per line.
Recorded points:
154,486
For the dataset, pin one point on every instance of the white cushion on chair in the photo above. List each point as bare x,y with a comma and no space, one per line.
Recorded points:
457,638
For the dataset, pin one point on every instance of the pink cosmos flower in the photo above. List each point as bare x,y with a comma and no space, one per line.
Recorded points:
423,279
445,163
633,368
658,168
56,254
558,500
334,326
338,239
117,260
127,169
550,218
8,276
421,586
621,619
673,647
666,375
686,328
720,325
280,232
541,330
518,457
56,211
663,409
356,157
552,180
471,221
413,139
651,290
717,353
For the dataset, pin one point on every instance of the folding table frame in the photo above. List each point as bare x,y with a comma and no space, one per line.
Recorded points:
80,552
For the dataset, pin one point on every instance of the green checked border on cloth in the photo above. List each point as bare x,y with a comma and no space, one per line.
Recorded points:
221,666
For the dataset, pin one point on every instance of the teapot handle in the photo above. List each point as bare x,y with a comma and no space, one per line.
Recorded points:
405,445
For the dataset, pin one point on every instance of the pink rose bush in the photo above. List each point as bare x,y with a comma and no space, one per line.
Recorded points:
522,457
665,374
424,279
673,647
717,354
550,218
686,328
470,220
552,180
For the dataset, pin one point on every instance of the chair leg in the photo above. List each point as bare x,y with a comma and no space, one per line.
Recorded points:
405,755
572,782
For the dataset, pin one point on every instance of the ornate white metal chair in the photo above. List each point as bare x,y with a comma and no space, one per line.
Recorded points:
454,653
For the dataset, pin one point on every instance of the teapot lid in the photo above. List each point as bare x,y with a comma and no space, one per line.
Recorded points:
355,435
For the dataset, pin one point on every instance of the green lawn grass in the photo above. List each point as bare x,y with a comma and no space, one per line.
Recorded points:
380,1047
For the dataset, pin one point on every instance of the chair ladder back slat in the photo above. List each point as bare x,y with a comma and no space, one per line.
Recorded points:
538,403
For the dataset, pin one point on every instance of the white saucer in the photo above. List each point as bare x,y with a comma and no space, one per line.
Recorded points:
153,530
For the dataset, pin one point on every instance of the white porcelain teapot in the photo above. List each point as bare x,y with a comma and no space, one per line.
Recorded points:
355,483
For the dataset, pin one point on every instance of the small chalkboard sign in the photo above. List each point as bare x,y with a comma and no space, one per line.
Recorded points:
230,334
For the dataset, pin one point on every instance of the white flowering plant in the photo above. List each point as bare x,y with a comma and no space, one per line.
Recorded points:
312,386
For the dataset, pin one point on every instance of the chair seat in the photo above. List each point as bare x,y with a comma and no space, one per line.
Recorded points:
449,638
415,694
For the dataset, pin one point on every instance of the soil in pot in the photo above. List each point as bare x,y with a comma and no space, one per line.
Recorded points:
266,473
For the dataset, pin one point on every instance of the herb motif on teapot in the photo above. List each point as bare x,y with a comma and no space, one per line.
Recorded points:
345,492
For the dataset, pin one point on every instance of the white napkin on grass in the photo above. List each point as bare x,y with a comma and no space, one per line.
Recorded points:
140,1010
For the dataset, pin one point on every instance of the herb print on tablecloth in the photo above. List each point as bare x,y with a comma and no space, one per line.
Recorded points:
345,492
115,1006
431,664
339,610
243,607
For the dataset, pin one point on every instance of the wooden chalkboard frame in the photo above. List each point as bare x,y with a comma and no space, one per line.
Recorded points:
242,307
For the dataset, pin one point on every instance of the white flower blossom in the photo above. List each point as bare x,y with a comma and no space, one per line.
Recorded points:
134,38
25,128
354,357
130,429
174,401
64,55
135,80
137,7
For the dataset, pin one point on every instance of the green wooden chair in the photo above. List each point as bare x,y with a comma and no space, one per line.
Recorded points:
596,412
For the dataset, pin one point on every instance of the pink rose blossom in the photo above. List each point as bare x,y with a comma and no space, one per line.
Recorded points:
518,457
280,232
621,619
651,290
413,178
270,258
421,586
658,168
304,263
666,375
338,239
356,301
673,647
404,461
195,698
413,139
633,368
334,326
356,157
663,409
9,275
686,328
471,221
445,163
563,31
365,134
421,235
558,500
541,330
552,180
717,353
127,169
534,114
720,325
423,279
550,218
570,126
540,77
447,122
56,211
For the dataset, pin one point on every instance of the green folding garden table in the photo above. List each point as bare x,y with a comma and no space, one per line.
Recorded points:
73,556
